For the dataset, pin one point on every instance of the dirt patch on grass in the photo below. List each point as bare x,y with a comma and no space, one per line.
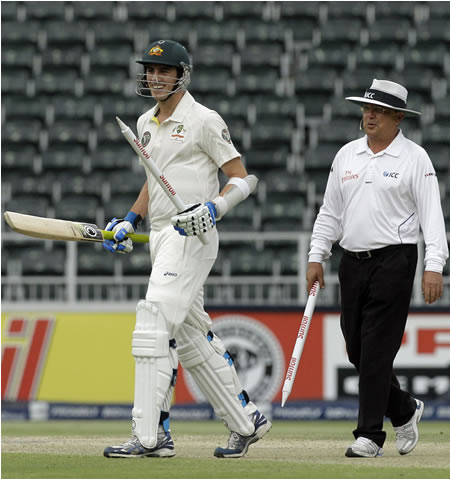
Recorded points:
300,451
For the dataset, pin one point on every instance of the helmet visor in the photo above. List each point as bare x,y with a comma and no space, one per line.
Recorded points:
156,86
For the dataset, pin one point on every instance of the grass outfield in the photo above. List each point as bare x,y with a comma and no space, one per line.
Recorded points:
73,449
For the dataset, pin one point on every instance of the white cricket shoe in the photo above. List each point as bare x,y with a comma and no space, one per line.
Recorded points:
133,448
364,447
408,434
238,445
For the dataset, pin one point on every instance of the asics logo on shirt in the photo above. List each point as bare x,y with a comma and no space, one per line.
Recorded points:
392,174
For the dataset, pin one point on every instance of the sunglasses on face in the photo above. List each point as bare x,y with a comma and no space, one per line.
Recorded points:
378,110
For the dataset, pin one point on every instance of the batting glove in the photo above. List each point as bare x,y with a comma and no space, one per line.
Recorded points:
195,219
122,227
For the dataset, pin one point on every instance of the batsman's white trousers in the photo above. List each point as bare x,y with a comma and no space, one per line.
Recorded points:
180,266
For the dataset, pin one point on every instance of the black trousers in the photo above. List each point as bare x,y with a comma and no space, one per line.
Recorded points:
375,297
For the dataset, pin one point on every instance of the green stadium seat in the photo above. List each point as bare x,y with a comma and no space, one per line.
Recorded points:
92,260
267,158
272,132
19,33
37,261
265,33
117,55
393,30
118,205
125,181
81,208
20,158
341,31
397,11
331,57
18,107
156,11
244,10
261,53
113,155
434,30
57,80
62,156
288,260
217,33
106,80
107,32
137,263
349,10
43,11
247,261
92,11
70,130
259,83
16,80
92,184
195,10
14,131
65,35
62,56
29,204
377,56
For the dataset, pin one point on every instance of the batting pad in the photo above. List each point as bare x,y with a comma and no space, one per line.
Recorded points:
216,376
153,375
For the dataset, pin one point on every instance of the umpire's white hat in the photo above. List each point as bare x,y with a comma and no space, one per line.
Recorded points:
385,93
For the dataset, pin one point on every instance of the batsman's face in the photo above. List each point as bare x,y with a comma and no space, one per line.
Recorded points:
160,80
380,122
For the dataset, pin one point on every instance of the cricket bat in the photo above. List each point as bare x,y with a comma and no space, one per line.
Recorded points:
53,229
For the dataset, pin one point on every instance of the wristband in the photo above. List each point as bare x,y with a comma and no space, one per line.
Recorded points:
221,206
133,218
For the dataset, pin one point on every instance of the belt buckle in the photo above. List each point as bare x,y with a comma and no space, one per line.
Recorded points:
363,254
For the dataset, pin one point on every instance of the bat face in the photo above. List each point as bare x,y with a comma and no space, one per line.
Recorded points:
49,228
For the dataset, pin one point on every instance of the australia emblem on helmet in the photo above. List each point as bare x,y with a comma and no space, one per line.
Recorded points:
156,50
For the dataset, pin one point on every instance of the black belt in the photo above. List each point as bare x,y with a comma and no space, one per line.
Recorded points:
371,253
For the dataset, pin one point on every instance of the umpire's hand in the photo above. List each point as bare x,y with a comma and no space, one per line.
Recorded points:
314,273
432,286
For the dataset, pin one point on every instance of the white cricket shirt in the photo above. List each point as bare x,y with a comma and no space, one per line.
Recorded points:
376,200
189,147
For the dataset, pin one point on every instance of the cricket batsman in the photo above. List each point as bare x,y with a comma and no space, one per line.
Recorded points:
189,143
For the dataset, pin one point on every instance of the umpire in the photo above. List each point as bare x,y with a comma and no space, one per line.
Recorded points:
381,188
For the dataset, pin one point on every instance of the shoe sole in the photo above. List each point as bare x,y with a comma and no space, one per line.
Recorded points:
350,453
259,434
415,426
162,454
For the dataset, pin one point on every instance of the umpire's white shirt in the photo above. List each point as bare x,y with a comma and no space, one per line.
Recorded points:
188,147
376,200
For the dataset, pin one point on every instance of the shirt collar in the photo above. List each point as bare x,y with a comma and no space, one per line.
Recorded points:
394,149
182,108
